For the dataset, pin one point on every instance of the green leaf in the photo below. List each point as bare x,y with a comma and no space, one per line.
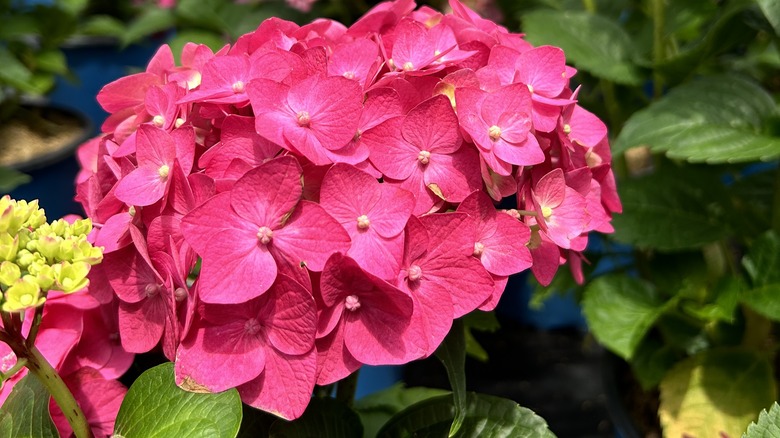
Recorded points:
486,417
764,300
721,302
479,321
202,14
762,262
151,20
25,414
324,418
52,61
716,392
716,119
177,43
103,25
13,72
651,361
672,211
606,52
768,425
155,407
376,409
11,179
452,353
620,310
771,9
74,7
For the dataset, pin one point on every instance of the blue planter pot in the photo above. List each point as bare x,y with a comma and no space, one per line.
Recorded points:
376,378
96,62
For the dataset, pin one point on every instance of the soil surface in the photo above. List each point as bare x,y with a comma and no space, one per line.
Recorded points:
36,132
555,373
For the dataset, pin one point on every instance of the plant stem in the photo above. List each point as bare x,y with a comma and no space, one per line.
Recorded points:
36,324
51,380
42,369
776,203
590,6
345,389
659,49
613,108
757,330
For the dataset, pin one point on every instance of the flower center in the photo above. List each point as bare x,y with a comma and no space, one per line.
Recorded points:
252,326
349,74
26,299
180,294
363,222
352,303
567,129
479,248
264,235
163,171
415,273
424,157
238,87
546,212
530,88
303,118
158,121
408,66
179,121
494,132
151,290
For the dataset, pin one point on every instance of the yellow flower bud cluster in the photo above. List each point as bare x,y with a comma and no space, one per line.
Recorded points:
36,256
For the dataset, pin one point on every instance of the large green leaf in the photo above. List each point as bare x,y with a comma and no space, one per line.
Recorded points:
716,392
25,414
452,353
771,9
764,300
13,72
716,119
620,310
486,417
155,407
606,52
762,262
324,418
376,409
672,210
768,425
151,20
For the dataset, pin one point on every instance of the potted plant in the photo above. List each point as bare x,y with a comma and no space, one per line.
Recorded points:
316,198
690,94
34,134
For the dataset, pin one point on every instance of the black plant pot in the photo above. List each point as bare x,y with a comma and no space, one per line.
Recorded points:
619,383
53,173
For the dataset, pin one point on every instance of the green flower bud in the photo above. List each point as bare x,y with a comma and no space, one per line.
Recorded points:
81,227
23,294
83,251
9,273
45,276
25,258
71,276
49,246
9,246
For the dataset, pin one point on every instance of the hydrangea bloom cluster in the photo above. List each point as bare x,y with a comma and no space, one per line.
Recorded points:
338,186
37,256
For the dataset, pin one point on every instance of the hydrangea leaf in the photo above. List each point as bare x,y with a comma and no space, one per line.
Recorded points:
324,417
25,414
606,53
376,409
156,408
151,20
768,425
717,119
764,300
685,217
771,9
716,393
620,310
763,260
452,353
486,416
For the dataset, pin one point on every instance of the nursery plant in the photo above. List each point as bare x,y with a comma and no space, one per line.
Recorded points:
311,199
691,299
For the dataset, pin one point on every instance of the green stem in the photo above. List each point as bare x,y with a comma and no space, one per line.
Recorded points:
42,369
345,389
659,48
590,6
20,363
36,324
614,112
776,204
